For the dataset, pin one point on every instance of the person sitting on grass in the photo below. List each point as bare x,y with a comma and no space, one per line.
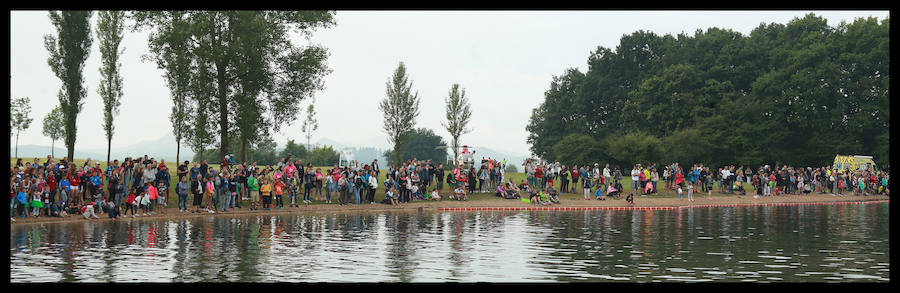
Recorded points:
434,195
544,199
460,193
739,187
599,193
414,189
553,195
611,190
510,191
391,196
88,211
58,210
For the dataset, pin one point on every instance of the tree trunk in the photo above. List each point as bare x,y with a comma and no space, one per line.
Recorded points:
108,149
455,150
243,149
177,151
52,146
17,144
70,132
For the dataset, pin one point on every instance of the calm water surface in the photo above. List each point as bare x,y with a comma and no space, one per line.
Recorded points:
841,243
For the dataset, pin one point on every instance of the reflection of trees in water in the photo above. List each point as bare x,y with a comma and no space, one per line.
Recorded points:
179,267
248,252
459,254
402,246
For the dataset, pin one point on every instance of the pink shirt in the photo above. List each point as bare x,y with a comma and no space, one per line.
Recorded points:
152,192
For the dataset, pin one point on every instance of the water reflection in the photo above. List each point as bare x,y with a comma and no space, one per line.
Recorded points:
756,244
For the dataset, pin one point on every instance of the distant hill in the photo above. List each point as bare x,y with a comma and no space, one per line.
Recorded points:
164,147
41,151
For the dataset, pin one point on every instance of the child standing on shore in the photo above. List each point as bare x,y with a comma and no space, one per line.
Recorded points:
266,190
208,193
130,205
279,191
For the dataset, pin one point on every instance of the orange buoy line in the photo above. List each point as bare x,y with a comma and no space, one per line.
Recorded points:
557,209
788,204
647,208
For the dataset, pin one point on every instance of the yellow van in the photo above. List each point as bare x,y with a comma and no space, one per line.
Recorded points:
853,162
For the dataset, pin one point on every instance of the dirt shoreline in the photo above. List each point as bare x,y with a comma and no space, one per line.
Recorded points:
479,200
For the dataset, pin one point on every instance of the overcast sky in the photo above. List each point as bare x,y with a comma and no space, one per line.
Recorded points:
504,60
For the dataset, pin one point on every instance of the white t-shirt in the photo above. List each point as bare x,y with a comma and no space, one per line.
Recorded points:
634,174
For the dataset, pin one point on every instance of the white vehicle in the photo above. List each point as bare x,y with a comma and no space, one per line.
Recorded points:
466,157
346,157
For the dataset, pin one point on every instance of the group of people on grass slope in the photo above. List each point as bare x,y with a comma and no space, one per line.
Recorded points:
597,182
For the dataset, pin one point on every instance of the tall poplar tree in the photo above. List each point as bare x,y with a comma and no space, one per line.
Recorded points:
110,28
310,124
400,108
68,52
459,113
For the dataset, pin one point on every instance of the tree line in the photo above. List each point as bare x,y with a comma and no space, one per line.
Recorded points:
795,93
231,74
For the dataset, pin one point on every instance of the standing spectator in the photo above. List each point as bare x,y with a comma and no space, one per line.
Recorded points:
182,189
635,178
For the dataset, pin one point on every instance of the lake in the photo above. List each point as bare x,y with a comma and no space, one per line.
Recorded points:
837,243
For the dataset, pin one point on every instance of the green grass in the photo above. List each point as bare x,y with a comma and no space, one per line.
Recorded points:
380,192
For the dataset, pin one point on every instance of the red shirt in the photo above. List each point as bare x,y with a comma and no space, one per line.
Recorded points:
51,180
538,173
74,180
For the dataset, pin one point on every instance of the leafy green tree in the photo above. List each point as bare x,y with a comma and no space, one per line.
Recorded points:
310,124
578,149
54,127
264,153
68,51
250,67
176,60
421,144
635,148
458,115
110,28
400,108
294,150
324,156
797,93
19,110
